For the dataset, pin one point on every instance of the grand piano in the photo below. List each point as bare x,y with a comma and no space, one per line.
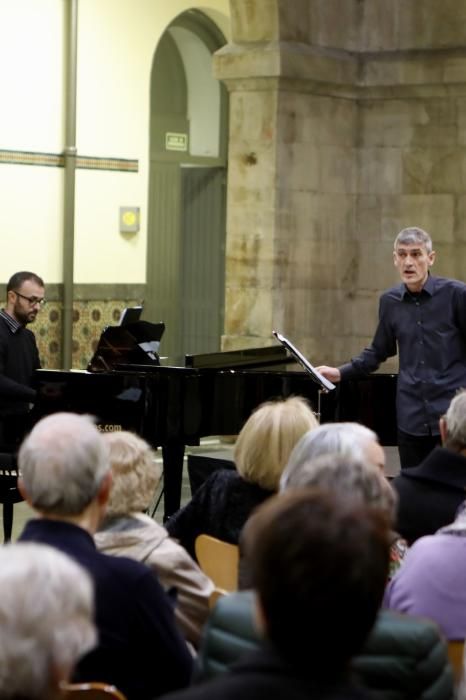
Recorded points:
174,404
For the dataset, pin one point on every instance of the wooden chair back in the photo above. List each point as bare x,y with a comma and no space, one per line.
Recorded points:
91,691
215,595
455,656
219,561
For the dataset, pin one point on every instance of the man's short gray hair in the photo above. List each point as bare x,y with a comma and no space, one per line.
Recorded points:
455,419
412,236
349,478
346,439
62,463
46,618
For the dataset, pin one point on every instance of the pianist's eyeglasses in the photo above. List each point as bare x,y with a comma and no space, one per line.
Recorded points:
32,300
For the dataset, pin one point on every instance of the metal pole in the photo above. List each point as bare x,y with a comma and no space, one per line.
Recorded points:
69,185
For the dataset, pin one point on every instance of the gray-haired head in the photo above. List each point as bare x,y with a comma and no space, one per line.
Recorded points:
455,422
46,617
347,477
135,473
351,440
62,463
412,236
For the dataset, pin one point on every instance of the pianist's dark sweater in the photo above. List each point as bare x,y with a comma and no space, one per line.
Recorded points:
19,358
219,508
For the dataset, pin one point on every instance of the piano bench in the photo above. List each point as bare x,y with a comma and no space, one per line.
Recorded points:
9,493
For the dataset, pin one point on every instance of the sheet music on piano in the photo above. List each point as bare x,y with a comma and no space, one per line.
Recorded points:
317,376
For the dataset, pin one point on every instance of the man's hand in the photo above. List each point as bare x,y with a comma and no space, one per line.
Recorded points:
331,373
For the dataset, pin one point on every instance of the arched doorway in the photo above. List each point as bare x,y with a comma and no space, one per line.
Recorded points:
187,188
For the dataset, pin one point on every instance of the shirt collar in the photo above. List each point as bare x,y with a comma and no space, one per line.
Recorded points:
428,287
11,322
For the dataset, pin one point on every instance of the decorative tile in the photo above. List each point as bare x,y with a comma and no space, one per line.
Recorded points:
89,320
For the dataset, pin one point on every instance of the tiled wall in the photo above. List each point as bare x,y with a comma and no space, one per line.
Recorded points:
89,320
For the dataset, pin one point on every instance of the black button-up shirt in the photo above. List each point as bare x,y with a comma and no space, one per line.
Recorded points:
428,330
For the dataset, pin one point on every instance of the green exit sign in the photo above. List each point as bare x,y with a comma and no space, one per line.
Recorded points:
176,142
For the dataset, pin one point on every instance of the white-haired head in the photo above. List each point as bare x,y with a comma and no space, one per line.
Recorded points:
135,473
349,478
453,424
346,439
46,619
62,463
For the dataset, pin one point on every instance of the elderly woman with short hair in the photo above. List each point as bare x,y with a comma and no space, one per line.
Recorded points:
46,620
352,478
226,499
128,532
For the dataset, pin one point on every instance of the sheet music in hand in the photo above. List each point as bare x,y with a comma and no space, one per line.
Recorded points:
317,376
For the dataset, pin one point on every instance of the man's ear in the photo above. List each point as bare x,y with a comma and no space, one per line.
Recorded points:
443,429
259,619
23,492
431,258
104,489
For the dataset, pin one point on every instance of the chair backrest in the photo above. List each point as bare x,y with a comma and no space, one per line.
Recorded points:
91,691
455,656
219,561
215,595
403,657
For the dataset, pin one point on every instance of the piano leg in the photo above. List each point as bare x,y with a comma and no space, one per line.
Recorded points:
173,456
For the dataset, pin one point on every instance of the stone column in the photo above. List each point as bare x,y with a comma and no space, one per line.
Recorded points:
292,177
347,123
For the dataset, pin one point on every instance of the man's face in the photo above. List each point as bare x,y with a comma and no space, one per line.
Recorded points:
413,263
25,302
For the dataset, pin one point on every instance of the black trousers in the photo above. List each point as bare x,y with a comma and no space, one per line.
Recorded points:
413,449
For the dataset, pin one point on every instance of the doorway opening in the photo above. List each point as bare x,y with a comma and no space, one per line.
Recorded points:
187,188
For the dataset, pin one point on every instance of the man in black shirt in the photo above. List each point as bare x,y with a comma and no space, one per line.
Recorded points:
19,356
424,319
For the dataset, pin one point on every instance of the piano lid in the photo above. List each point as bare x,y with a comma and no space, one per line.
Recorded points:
248,357
133,344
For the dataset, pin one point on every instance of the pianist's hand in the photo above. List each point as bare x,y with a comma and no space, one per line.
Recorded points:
331,373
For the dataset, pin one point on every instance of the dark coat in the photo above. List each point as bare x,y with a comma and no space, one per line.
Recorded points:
429,494
262,675
140,650
220,508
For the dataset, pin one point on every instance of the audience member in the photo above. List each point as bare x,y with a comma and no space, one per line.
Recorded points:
429,494
66,478
431,581
227,498
127,531
358,470
319,567
345,439
46,612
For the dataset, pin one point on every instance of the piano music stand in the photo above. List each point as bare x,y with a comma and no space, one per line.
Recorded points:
324,384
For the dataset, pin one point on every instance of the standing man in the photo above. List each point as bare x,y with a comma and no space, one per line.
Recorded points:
19,356
424,319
